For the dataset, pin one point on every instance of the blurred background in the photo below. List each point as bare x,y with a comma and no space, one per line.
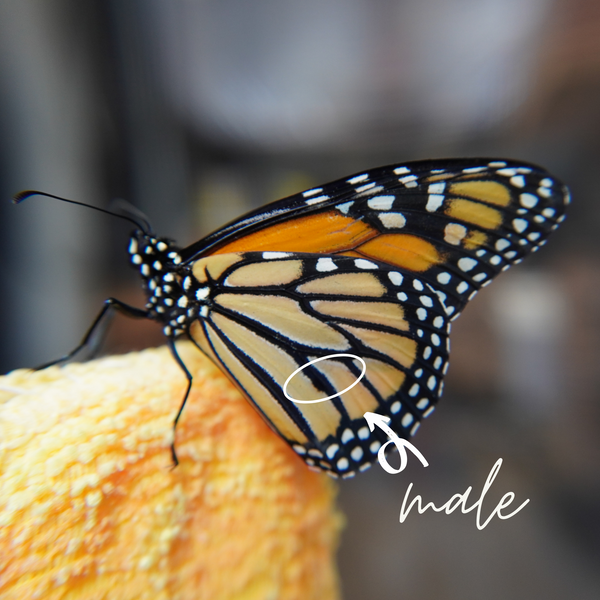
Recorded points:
198,110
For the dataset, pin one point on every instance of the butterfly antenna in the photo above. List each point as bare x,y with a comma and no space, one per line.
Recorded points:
133,216
124,208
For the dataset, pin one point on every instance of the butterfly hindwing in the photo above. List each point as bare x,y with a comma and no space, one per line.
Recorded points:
269,314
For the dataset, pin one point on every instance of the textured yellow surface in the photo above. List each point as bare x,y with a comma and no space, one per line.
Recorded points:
90,507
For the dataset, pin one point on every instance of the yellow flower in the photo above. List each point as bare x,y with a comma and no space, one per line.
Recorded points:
91,508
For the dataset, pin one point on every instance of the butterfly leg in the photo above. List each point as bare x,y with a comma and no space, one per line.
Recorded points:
97,330
179,361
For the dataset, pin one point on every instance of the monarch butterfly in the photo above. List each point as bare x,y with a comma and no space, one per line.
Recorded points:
376,265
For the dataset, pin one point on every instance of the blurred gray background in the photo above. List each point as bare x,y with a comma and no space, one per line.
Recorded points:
197,111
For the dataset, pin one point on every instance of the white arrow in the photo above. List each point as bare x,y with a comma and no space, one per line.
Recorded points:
381,421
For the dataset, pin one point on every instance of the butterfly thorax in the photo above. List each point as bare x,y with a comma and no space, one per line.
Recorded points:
159,264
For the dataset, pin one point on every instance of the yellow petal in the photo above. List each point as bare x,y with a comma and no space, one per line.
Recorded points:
91,508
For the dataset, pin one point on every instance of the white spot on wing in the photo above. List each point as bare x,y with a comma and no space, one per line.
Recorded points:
358,179
507,172
342,464
528,200
364,433
347,435
331,450
381,202
407,419
364,188
438,322
317,200
436,188
270,255
466,264
426,301
520,225
434,202
312,192
361,263
395,277
344,208
357,453
325,264
454,233
408,180
392,220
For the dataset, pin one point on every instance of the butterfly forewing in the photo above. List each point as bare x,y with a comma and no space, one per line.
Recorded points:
458,223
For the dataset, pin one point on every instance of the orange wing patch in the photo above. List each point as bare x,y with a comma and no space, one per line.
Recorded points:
323,233
405,251
475,213
333,233
490,192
